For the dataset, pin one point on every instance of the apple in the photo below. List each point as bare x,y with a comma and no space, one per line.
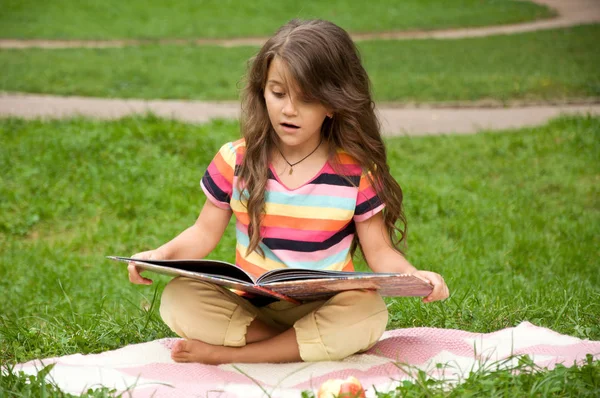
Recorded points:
338,388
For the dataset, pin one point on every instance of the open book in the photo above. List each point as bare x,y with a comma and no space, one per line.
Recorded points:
291,284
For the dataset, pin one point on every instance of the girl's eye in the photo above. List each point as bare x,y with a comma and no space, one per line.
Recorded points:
278,95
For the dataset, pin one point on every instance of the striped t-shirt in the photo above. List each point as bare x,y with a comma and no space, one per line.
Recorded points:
311,226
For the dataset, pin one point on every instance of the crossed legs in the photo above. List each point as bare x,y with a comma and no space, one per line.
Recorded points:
221,327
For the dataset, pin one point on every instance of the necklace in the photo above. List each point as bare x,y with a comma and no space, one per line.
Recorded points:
304,158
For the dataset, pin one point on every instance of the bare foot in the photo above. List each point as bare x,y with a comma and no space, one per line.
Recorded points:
197,351
280,348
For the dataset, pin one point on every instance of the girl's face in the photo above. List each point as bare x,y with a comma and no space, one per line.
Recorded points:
297,122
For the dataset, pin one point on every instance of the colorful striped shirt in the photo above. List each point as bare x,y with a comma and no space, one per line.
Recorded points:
311,226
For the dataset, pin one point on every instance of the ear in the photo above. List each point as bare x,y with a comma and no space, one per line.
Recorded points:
328,112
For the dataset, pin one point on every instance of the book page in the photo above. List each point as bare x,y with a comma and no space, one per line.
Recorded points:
286,274
204,266
222,274
394,285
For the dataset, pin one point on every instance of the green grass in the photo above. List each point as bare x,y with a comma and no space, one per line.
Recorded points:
522,380
511,220
552,64
113,19
19,384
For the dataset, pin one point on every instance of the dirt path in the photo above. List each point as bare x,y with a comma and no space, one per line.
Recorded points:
570,13
423,120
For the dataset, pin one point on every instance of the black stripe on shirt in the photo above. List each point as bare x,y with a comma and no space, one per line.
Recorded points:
367,205
307,247
335,179
214,189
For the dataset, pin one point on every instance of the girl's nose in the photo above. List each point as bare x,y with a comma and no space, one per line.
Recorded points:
288,107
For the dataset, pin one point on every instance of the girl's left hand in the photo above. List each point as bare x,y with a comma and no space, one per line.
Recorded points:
440,290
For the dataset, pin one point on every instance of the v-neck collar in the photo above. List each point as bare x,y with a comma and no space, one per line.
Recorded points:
300,186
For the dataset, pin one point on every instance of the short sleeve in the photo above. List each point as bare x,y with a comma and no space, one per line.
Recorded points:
217,182
367,202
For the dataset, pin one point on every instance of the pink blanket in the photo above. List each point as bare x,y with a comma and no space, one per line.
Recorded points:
146,369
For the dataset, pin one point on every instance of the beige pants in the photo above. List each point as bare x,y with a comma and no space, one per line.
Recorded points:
326,330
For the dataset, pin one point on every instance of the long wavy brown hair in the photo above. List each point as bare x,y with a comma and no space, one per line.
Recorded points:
326,67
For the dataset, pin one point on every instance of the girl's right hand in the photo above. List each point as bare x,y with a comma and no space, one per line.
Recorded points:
134,271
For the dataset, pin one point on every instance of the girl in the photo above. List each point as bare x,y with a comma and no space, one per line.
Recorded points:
308,183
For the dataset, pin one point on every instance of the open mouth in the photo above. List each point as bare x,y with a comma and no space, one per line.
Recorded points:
289,125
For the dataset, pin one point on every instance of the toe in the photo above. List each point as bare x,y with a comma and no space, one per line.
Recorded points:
179,351
180,357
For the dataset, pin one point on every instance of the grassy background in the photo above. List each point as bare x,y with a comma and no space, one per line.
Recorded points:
155,19
552,64
511,220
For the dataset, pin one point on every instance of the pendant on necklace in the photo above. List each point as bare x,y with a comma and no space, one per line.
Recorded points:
291,171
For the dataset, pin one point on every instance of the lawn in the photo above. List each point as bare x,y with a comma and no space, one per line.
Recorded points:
555,64
154,19
512,220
